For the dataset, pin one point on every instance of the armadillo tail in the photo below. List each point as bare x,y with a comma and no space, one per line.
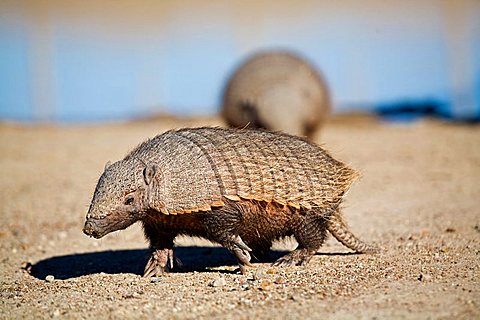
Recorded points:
338,228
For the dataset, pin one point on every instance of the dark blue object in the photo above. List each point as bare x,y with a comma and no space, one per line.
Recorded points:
409,111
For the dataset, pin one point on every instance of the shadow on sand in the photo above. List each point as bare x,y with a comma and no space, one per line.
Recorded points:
127,261
198,259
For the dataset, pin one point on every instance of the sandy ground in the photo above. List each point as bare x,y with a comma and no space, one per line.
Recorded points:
418,199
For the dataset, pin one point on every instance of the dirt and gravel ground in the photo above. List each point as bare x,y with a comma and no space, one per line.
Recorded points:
418,199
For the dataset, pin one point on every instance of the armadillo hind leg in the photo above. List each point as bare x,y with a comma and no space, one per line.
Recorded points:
310,232
339,229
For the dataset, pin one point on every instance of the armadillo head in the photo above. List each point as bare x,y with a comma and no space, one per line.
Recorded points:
120,198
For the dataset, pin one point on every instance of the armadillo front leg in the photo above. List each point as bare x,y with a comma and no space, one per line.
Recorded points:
162,256
161,261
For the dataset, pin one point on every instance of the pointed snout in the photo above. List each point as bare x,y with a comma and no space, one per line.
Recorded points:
91,229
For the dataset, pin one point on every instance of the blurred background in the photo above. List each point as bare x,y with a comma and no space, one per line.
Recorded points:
83,61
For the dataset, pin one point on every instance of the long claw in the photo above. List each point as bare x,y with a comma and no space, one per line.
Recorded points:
242,256
282,263
243,269
150,268
298,257
241,252
170,260
148,273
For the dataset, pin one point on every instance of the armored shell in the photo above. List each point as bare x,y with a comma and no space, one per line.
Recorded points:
276,90
198,167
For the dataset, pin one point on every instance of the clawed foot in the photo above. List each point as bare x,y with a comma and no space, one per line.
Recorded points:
298,257
241,252
161,261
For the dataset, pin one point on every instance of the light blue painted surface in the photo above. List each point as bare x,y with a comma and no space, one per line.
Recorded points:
15,99
94,81
104,73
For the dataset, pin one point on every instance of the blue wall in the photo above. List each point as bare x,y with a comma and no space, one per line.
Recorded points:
104,60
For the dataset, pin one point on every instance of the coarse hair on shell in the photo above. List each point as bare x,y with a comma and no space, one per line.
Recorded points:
198,167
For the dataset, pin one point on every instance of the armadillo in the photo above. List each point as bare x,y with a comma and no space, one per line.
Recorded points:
279,91
240,188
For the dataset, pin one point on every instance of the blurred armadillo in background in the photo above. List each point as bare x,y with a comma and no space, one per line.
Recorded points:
278,91
240,188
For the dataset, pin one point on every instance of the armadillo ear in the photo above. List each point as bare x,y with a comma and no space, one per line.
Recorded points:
149,172
107,165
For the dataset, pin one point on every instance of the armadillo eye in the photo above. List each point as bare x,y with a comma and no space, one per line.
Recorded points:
128,200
